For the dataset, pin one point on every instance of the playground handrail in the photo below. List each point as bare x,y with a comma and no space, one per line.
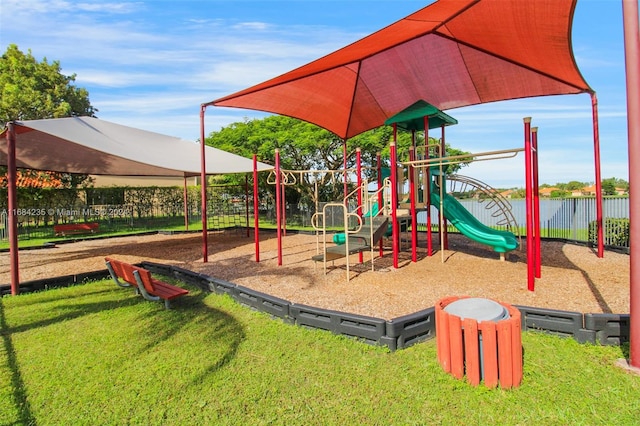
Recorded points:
288,178
346,216
464,158
369,199
496,199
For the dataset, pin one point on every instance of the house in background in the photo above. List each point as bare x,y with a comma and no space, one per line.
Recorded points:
508,193
33,179
546,192
584,192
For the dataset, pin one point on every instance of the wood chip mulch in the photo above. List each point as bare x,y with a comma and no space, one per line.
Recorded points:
573,277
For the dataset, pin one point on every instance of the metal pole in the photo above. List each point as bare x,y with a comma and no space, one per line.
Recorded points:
359,208
632,55
394,199
246,202
278,209
529,204
185,203
412,197
283,201
426,191
445,233
536,201
380,196
256,223
345,189
203,188
596,156
12,204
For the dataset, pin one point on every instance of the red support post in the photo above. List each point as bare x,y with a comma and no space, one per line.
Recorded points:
380,195
12,205
278,208
203,189
529,205
256,207
536,201
359,180
632,56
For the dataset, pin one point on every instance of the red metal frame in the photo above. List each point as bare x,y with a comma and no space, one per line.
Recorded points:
529,205
632,55
359,179
536,201
12,204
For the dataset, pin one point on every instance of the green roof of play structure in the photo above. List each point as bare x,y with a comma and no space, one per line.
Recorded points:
412,118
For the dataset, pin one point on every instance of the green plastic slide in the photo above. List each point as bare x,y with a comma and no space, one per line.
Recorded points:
471,227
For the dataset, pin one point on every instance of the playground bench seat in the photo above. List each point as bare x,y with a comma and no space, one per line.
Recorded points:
144,284
75,228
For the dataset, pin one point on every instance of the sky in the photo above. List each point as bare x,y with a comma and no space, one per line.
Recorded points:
150,64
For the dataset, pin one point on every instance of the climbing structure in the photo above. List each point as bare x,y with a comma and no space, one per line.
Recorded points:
365,222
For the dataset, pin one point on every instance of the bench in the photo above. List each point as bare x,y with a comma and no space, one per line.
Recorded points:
75,228
142,281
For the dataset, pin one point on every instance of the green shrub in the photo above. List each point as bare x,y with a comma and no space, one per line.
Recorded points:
616,232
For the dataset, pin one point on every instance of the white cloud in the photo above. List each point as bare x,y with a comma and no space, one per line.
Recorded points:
30,7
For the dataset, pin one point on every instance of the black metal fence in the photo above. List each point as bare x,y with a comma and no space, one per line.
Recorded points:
119,210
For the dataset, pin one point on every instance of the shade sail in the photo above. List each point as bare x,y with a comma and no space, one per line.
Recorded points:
452,53
92,146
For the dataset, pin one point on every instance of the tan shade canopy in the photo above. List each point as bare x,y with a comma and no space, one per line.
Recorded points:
99,147
452,53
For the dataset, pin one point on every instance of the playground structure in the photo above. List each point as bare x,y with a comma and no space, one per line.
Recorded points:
369,216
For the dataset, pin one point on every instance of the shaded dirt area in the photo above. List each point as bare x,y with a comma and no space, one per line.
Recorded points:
573,277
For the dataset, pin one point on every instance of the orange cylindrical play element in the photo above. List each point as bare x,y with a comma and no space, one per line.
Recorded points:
485,350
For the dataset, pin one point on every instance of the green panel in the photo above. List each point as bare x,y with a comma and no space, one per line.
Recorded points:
412,118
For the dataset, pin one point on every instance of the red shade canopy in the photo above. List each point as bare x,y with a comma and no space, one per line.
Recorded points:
452,53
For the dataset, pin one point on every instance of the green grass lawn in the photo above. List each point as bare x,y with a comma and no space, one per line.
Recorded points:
96,354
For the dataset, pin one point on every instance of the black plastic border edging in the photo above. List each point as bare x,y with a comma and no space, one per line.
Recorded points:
62,281
407,330
398,333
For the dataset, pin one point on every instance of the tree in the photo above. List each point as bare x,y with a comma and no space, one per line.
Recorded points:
573,185
305,146
31,90
610,186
